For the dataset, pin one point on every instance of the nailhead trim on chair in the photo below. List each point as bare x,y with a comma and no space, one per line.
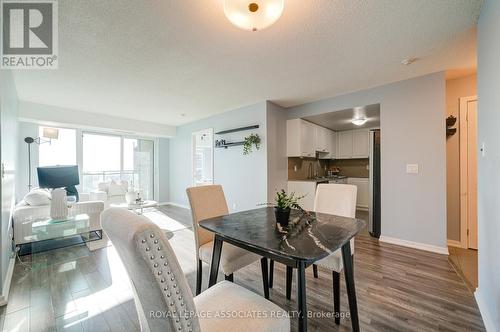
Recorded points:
160,266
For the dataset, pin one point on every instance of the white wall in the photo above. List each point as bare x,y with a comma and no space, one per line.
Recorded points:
57,116
8,153
413,131
244,178
163,163
488,294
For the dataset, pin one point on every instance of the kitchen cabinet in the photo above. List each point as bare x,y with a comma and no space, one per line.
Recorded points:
344,144
300,138
321,139
363,193
353,144
330,143
361,143
307,188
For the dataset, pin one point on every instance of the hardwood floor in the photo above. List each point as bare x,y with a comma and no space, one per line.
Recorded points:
398,289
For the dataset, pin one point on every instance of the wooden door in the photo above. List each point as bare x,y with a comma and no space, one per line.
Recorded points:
468,172
472,173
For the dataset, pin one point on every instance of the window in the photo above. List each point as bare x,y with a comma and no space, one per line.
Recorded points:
203,170
112,157
61,151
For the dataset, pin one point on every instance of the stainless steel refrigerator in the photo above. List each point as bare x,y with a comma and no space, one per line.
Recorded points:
374,202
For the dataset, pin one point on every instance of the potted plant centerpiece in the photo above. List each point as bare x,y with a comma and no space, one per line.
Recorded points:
283,204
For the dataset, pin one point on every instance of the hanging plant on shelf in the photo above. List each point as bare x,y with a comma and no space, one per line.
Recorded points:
253,139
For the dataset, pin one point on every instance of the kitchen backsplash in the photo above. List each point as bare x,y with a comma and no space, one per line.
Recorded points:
354,168
298,168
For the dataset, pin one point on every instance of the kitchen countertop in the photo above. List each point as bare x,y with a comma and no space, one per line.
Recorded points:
321,179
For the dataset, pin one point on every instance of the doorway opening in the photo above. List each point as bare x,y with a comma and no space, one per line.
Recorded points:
462,149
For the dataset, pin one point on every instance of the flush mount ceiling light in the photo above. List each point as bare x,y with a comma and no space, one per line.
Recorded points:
253,15
359,121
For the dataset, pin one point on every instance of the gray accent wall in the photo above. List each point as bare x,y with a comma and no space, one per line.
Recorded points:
8,153
244,178
277,161
488,294
412,116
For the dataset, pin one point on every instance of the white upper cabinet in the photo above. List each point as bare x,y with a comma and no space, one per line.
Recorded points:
322,136
344,144
361,143
331,145
353,144
300,137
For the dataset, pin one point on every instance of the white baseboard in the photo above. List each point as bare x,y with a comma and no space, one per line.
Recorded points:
6,286
175,204
455,243
485,313
415,245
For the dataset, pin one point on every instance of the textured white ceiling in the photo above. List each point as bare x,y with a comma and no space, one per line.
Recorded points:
155,60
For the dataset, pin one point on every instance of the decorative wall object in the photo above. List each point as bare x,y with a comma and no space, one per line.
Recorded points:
58,205
450,122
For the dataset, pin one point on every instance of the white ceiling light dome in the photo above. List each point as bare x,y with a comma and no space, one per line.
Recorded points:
253,15
359,121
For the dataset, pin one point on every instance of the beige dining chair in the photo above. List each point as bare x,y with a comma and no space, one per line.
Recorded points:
340,200
209,202
162,296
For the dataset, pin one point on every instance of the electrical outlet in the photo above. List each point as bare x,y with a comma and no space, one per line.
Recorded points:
483,150
412,168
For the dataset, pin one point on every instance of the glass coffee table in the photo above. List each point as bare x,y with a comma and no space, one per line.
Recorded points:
137,207
47,234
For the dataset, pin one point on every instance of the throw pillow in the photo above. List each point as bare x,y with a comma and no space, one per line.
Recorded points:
37,197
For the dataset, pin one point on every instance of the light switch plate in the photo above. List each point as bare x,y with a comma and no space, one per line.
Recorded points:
412,168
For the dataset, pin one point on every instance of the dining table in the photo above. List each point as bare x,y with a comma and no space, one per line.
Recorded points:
307,238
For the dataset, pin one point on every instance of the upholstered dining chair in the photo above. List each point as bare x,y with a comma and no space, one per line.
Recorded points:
209,202
340,200
163,299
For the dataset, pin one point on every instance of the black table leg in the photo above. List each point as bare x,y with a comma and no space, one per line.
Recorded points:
214,266
265,276
271,273
349,282
301,296
289,276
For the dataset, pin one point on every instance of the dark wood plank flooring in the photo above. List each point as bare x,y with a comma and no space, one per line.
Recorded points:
398,288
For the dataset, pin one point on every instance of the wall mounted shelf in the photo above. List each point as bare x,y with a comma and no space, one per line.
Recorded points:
236,130
228,145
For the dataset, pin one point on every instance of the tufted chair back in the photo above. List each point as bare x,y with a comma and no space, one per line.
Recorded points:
206,202
162,295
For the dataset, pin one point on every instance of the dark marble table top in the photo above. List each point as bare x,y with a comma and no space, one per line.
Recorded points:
306,238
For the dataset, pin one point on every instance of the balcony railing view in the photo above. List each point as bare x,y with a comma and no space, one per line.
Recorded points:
92,179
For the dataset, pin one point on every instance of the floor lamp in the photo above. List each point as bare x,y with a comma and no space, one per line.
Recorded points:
47,136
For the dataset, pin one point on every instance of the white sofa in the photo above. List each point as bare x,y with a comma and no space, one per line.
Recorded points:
110,193
25,214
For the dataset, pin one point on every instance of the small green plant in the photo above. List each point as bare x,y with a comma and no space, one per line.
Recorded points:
286,201
253,139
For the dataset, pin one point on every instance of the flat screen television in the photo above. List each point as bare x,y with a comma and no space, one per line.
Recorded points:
59,177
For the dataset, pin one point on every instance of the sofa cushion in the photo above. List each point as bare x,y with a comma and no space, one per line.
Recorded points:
118,188
37,197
